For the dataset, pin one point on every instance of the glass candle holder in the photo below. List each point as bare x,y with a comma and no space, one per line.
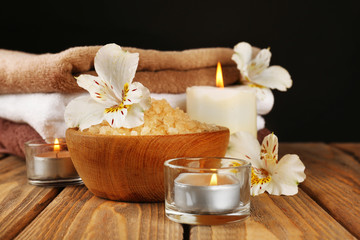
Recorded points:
48,163
207,191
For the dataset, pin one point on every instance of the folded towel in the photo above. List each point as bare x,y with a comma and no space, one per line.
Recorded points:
154,60
172,71
42,111
25,73
14,135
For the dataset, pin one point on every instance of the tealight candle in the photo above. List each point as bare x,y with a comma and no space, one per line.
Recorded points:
231,107
50,164
54,165
206,192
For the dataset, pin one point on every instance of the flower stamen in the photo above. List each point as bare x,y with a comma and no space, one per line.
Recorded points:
259,176
117,108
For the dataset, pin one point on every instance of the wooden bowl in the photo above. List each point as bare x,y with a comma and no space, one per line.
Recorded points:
131,168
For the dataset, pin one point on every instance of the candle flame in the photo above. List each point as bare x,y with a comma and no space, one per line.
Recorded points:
213,180
219,76
56,145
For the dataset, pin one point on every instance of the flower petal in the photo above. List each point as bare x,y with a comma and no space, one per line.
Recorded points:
116,66
274,77
135,116
269,151
136,111
242,55
135,93
145,102
257,189
83,112
288,173
245,146
115,116
259,63
98,88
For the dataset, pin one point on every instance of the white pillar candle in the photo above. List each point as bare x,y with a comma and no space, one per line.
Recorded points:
193,193
234,108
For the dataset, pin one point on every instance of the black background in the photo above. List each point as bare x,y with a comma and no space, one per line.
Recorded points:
316,41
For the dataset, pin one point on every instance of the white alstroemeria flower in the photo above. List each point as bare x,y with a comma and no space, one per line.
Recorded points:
256,71
113,97
277,177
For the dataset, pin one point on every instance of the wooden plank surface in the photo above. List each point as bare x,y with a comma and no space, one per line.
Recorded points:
326,207
278,217
349,148
332,181
78,214
20,202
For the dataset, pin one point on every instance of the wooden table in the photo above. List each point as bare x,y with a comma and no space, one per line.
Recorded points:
326,207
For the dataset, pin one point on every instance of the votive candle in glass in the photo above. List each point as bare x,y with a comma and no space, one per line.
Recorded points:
207,191
49,163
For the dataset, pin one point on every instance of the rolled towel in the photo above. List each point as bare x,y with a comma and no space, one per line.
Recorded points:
172,71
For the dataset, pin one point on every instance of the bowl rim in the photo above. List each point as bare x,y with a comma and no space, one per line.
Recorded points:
245,163
87,134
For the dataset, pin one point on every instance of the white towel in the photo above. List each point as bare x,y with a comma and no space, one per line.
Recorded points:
45,111
42,111
175,100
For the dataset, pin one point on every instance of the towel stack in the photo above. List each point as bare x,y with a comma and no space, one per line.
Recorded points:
35,89
160,71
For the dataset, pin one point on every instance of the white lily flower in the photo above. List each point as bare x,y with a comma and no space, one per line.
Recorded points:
113,97
256,71
277,177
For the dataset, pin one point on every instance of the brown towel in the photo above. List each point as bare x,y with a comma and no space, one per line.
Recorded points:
13,137
28,73
154,60
171,71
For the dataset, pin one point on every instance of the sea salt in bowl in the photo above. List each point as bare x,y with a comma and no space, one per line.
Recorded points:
131,167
